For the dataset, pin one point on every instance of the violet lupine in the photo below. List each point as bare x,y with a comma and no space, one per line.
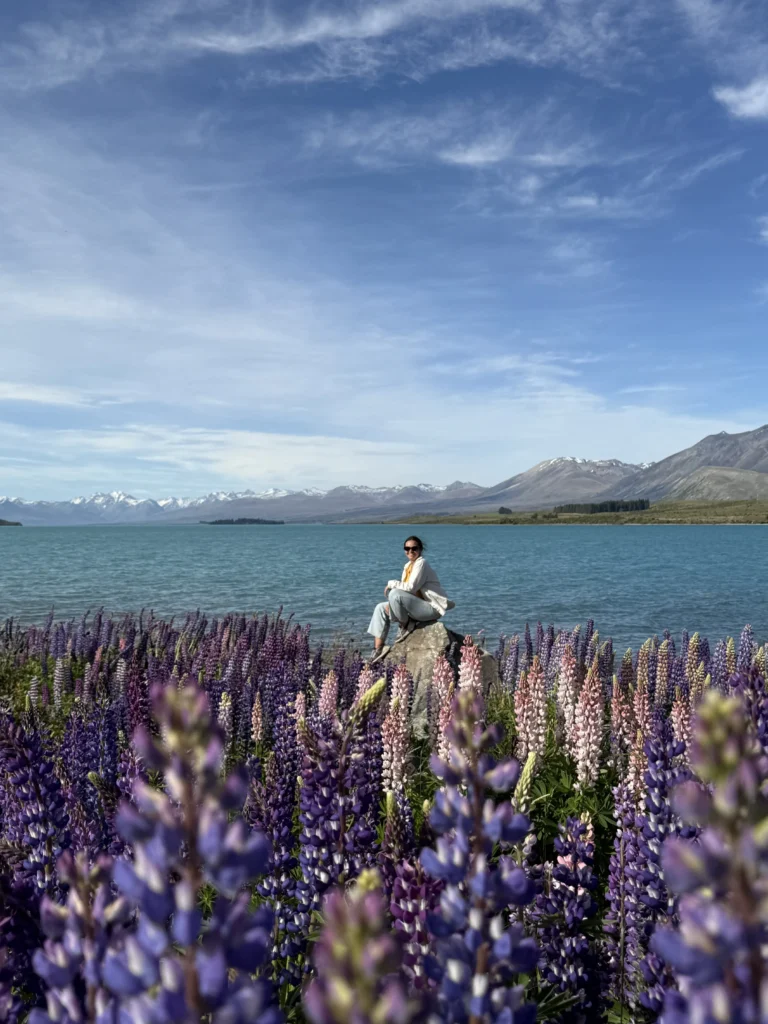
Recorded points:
568,959
751,688
330,846
414,896
747,648
658,822
78,935
718,949
568,695
477,953
357,963
183,839
511,660
590,711
34,813
623,922
470,666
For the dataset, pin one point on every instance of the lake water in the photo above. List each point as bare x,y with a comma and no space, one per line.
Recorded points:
633,581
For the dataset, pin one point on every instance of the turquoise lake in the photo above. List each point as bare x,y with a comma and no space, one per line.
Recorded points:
633,581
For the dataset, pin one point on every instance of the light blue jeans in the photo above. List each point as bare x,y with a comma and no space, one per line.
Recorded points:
402,606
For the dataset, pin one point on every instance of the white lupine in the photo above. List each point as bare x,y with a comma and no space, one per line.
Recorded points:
589,728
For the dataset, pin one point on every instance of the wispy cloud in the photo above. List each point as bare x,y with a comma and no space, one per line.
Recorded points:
749,102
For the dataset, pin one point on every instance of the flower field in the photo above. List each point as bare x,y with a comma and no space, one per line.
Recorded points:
215,820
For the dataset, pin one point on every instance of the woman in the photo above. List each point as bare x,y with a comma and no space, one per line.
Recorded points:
416,597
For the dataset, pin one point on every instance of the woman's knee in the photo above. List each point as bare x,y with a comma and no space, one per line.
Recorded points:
395,598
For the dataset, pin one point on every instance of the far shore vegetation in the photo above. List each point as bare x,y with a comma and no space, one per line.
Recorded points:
242,522
7,522
664,513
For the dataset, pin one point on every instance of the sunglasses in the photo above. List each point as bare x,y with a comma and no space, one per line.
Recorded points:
411,549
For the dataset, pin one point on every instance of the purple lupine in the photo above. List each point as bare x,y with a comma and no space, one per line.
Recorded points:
623,923
329,847
34,814
78,935
658,822
476,955
747,648
357,962
509,668
718,949
414,897
720,666
182,840
565,902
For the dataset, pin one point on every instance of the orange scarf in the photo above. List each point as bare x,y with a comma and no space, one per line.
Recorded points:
408,569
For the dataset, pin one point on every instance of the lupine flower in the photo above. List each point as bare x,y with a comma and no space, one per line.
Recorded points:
681,719
718,949
78,935
365,681
477,954
225,719
589,728
414,897
522,794
568,694
327,704
568,960
357,962
747,648
730,656
661,693
623,726
395,732
470,667
187,834
624,926
257,721
441,699
511,660
34,815
531,710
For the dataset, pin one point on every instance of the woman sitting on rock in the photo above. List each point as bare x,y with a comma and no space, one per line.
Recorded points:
416,597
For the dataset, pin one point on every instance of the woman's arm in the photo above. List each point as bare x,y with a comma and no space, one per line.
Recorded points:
415,582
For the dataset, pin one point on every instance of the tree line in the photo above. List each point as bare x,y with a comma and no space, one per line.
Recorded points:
594,507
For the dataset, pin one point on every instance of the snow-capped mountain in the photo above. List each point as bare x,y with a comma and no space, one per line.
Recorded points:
117,507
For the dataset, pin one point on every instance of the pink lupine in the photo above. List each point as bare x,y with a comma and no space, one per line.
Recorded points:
470,666
682,723
623,725
442,699
531,711
522,715
568,693
365,681
394,732
257,720
589,728
444,719
327,704
661,696
638,764
299,710
641,705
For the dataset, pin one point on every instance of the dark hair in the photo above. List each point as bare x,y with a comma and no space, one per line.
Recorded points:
419,541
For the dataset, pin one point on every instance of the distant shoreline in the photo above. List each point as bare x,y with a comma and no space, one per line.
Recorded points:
682,513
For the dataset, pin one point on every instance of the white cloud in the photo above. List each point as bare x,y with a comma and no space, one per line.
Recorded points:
40,394
762,227
750,102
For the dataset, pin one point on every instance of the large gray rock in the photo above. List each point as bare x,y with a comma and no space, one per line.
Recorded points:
420,651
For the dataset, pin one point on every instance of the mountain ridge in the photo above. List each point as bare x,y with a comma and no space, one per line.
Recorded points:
719,467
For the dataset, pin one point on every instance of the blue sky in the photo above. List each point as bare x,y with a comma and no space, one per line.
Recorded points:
311,243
